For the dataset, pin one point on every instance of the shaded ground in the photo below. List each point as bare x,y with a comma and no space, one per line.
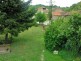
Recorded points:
5,48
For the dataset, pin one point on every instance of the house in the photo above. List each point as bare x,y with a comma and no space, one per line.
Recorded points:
57,12
43,10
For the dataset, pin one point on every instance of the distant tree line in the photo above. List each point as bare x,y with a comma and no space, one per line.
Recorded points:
74,7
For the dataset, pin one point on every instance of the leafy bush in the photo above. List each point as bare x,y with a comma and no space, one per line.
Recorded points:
40,17
74,35
55,37
64,33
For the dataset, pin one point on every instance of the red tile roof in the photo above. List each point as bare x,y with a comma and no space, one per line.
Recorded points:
56,13
60,13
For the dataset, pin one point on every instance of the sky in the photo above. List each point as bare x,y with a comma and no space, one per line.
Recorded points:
61,3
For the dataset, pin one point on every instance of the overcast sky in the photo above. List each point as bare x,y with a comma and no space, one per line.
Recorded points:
62,3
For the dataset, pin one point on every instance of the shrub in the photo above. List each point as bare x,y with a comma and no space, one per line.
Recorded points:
74,35
64,33
40,17
55,37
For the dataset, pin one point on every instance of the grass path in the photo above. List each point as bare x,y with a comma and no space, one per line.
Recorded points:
29,46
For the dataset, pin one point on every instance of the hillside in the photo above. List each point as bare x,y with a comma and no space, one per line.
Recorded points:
74,7
40,5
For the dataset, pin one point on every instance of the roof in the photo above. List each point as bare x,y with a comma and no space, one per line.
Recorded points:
60,13
56,13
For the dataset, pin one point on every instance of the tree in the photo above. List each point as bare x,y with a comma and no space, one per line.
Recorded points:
15,17
74,7
40,17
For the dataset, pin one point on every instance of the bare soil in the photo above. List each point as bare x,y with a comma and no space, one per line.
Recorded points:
5,48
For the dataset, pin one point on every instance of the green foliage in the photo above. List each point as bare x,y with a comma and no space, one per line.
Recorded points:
15,16
55,35
74,36
74,7
64,33
40,17
10,7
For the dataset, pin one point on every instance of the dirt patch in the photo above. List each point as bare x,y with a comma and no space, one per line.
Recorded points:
5,48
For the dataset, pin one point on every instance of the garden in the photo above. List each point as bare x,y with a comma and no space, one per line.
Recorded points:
25,37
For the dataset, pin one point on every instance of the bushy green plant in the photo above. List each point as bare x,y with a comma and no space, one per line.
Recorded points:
74,35
64,33
55,37
40,17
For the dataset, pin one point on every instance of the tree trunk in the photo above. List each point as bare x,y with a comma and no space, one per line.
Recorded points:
6,38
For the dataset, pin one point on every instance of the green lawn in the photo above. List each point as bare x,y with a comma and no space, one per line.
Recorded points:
29,46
